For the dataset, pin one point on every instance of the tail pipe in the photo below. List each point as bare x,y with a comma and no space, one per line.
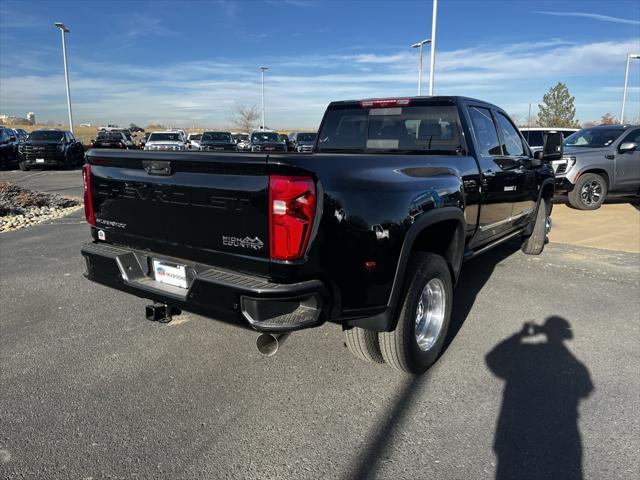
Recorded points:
269,343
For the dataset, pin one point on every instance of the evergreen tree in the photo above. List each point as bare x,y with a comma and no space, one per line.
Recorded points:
558,108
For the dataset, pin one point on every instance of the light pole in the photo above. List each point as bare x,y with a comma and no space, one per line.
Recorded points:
432,63
626,79
63,30
263,70
419,45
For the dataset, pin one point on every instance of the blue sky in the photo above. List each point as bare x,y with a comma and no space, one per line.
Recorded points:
188,63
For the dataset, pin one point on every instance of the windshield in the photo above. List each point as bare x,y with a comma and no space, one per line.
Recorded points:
109,137
51,135
399,129
306,137
165,137
593,137
241,137
265,137
216,137
195,136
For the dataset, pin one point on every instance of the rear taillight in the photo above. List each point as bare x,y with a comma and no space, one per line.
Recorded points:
292,207
88,198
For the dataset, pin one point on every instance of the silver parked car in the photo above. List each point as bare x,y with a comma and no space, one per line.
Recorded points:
597,162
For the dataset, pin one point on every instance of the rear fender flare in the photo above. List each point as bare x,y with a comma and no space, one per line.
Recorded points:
423,222
386,320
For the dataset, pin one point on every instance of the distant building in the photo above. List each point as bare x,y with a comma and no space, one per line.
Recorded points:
31,117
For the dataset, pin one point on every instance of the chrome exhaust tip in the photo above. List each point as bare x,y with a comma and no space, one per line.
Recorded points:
269,343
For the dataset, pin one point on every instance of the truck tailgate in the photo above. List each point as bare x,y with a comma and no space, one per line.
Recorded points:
211,208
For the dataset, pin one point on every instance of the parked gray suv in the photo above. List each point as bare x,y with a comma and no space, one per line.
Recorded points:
597,162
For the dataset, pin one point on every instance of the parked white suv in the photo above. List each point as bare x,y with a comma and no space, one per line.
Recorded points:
165,141
193,139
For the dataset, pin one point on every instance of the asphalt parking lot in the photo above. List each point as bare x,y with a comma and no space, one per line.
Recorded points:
92,390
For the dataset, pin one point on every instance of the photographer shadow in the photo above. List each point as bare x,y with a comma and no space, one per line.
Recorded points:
537,434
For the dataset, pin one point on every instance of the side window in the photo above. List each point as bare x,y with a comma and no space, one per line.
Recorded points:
512,142
71,137
633,136
485,131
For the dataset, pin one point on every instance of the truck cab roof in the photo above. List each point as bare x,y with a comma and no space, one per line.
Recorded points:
406,101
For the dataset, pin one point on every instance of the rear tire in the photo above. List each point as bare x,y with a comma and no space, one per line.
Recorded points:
423,321
363,344
589,192
534,244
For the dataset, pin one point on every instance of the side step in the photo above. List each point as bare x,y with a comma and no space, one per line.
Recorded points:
469,254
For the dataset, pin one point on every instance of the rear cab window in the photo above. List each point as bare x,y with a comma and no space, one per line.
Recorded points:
391,127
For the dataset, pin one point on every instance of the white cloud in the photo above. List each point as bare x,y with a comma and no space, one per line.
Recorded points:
297,90
592,16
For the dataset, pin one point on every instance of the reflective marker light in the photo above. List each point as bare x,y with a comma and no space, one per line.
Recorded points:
88,198
292,206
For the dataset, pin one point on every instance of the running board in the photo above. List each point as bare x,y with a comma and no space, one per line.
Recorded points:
469,254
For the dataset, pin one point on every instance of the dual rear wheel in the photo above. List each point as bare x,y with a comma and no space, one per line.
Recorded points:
425,314
423,321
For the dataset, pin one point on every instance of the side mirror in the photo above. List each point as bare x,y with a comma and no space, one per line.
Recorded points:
552,148
12,138
628,147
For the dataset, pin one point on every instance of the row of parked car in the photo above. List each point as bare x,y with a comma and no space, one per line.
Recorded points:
257,141
598,161
179,140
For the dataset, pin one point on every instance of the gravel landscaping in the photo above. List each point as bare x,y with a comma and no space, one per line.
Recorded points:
20,207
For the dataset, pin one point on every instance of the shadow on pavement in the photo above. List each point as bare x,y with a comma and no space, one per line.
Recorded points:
537,433
475,275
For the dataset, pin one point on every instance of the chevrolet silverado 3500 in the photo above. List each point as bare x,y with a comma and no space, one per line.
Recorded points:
370,231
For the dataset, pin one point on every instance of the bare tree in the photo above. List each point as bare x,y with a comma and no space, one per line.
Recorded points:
589,124
608,119
245,117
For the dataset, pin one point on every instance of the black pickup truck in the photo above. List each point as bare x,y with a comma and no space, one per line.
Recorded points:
370,231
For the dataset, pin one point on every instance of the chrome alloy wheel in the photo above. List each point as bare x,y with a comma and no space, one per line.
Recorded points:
591,192
430,314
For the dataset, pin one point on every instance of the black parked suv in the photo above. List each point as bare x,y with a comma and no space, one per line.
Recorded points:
262,141
302,142
50,148
217,141
8,146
